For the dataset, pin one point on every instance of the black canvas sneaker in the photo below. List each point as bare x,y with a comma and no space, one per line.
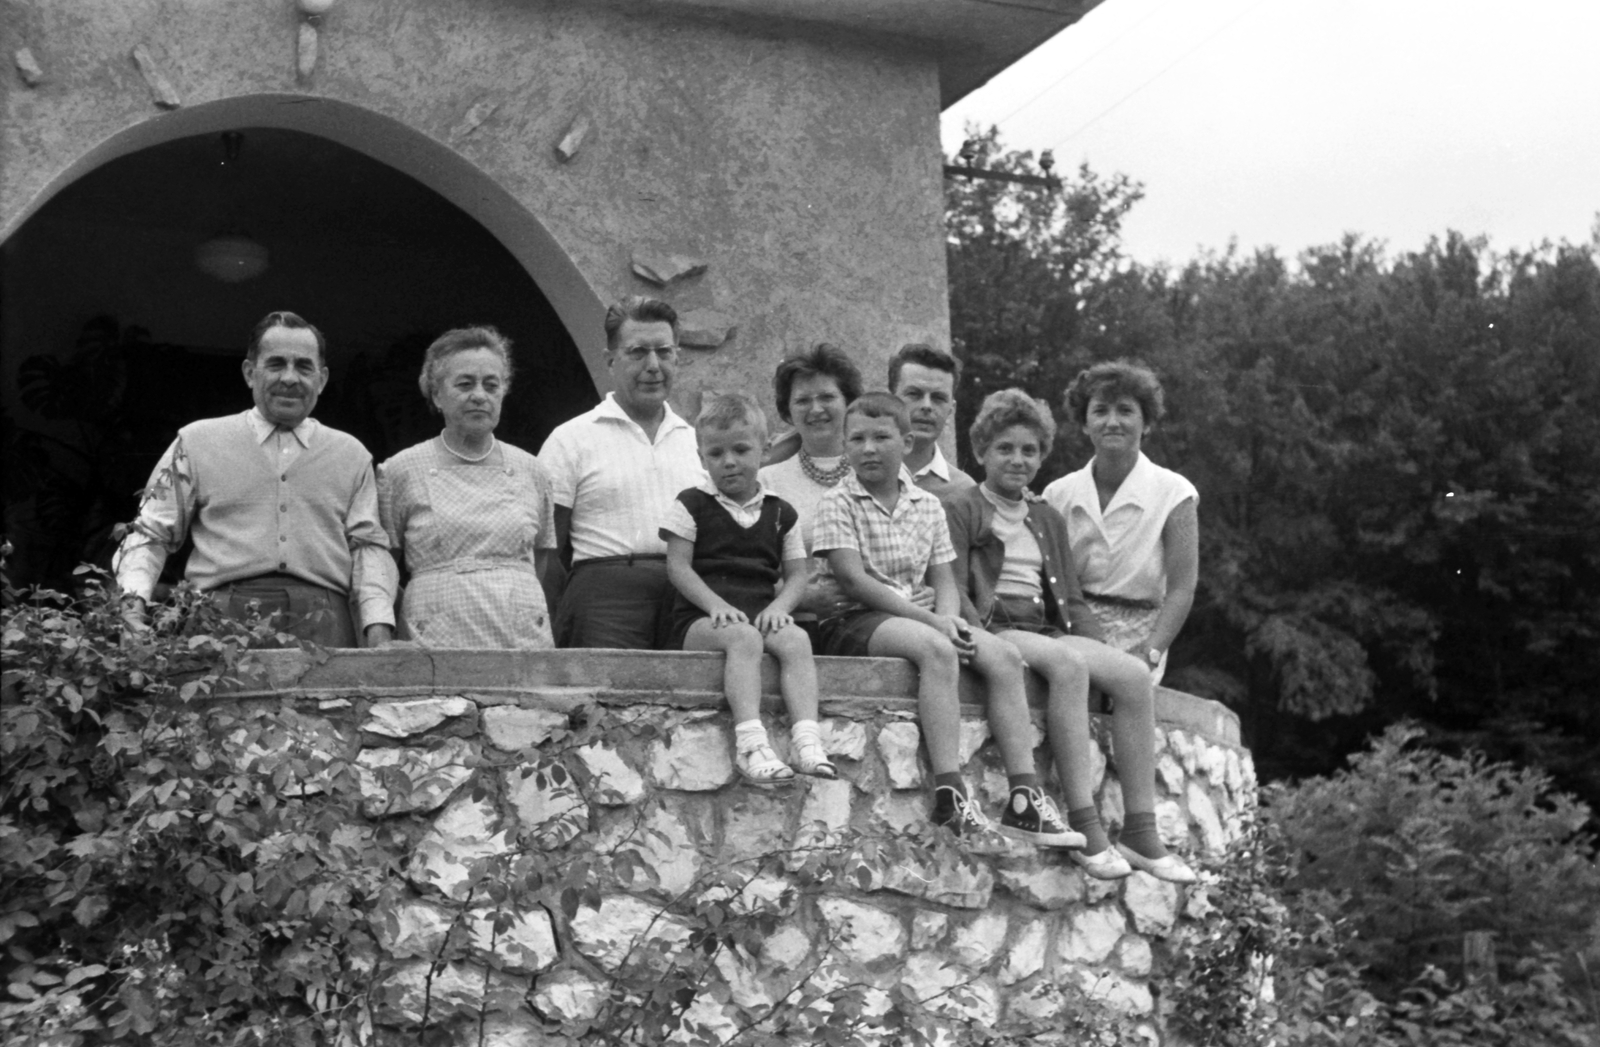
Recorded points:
1032,816
953,808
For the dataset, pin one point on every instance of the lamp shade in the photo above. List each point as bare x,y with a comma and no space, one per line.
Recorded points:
231,258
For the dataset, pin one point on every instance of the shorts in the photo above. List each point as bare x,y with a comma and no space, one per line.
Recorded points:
847,635
1021,614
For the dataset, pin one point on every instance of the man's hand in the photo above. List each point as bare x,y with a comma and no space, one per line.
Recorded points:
770,621
379,634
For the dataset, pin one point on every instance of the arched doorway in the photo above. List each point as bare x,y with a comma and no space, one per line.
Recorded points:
113,334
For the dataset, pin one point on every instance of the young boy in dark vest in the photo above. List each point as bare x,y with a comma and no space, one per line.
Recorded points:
728,545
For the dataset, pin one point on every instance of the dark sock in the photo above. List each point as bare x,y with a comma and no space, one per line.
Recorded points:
1086,820
1139,833
944,808
1024,781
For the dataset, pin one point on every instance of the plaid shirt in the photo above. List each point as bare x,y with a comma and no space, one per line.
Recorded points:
896,548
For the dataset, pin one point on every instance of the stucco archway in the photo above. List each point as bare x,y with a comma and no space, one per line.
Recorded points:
393,143
377,234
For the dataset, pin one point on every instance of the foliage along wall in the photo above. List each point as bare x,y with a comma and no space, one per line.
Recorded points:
387,845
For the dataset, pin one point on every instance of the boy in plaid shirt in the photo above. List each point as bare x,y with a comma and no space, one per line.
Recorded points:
888,545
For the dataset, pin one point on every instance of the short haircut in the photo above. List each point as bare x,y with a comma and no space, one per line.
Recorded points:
927,356
1006,408
1113,380
881,403
284,318
726,410
641,310
824,358
459,340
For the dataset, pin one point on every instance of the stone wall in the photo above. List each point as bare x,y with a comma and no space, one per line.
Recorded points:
1013,939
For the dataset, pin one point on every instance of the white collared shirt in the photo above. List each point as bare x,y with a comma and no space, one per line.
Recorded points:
936,465
1118,550
282,446
619,483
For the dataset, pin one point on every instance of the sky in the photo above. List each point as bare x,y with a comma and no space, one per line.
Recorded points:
1291,122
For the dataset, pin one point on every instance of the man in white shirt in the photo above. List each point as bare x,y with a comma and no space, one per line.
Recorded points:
925,378
614,472
282,510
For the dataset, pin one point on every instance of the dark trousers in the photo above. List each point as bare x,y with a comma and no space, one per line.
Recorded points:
618,602
300,608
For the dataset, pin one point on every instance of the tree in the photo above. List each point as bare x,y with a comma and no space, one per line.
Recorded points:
1398,459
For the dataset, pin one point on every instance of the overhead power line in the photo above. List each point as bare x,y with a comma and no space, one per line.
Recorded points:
1102,49
1163,71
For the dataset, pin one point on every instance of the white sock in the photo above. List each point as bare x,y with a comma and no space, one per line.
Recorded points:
749,735
805,732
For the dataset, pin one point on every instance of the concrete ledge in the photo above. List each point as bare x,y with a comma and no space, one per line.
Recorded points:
678,678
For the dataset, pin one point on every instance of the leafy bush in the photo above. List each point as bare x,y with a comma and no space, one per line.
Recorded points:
1329,923
1413,848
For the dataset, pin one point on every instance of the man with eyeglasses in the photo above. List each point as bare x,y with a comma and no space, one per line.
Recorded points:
614,472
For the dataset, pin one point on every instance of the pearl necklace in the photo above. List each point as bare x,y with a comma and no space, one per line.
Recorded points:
446,441
821,478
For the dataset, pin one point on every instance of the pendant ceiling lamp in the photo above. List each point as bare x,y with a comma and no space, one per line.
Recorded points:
231,256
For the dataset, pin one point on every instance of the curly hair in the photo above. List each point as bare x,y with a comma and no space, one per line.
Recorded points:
1006,408
460,340
1112,380
824,358
641,310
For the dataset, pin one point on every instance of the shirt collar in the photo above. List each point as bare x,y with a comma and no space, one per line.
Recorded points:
609,408
936,465
710,487
1134,488
908,488
263,428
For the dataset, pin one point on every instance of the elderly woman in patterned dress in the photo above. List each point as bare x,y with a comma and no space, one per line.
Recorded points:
473,515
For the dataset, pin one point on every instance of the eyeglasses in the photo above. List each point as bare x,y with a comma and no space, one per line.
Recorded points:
639,353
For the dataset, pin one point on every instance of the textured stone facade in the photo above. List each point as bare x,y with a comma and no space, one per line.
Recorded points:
466,757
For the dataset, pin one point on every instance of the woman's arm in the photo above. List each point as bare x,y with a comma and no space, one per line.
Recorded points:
1180,546
680,572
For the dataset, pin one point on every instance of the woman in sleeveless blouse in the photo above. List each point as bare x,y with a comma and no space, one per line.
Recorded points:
472,515
1134,526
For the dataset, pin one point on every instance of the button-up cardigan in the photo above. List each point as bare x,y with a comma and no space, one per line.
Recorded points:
980,553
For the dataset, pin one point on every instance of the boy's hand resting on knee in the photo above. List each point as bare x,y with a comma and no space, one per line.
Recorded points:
728,614
770,621
959,633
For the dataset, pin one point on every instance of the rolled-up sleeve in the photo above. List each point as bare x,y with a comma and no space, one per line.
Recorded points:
374,579
165,509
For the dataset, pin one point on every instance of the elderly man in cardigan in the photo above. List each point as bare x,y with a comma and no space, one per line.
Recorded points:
282,510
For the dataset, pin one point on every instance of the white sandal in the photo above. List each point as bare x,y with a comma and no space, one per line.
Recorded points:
761,766
811,758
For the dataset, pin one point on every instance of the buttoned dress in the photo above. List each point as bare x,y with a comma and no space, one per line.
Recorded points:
469,531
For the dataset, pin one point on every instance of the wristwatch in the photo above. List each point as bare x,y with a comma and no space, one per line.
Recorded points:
1153,656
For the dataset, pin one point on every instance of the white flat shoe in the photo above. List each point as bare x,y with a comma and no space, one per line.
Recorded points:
1105,865
1169,867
